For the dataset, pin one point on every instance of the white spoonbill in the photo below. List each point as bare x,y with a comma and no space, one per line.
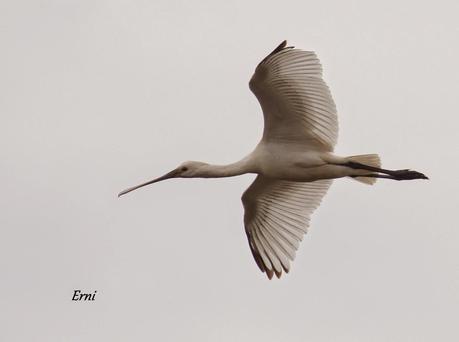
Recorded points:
294,160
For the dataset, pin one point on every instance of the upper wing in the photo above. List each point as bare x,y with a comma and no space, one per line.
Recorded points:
276,217
296,102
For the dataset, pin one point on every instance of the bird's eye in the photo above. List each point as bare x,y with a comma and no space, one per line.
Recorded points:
184,169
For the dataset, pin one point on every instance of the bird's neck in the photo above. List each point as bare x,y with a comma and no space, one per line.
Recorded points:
229,170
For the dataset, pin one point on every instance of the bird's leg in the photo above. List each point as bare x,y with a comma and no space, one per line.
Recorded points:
375,175
405,174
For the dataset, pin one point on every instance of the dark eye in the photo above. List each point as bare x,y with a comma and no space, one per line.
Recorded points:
184,169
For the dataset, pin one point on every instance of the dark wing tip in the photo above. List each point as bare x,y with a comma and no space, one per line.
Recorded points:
279,48
270,274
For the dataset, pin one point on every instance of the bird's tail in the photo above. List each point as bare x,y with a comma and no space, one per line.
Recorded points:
366,159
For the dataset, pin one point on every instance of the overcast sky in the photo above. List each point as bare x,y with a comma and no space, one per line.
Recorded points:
97,96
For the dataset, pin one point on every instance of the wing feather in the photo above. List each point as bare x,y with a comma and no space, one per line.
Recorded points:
296,102
276,217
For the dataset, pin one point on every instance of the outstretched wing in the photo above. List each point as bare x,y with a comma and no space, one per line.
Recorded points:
296,102
276,217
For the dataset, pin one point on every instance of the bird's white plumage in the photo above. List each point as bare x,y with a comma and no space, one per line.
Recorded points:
294,159
296,102
277,214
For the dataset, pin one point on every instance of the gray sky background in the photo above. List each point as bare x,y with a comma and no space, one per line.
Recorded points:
100,95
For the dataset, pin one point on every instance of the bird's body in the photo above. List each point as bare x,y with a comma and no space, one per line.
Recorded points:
294,160
290,161
286,161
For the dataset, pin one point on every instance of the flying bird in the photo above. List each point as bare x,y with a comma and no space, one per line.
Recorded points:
294,160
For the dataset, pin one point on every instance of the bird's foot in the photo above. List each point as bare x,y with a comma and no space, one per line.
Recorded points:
407,175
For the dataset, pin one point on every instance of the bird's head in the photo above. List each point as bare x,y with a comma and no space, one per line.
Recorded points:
188,169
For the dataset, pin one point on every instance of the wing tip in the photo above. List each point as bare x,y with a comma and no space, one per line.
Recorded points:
279,48
269,273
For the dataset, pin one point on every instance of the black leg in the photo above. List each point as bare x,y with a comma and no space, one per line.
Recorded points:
355,165
375,175
405,174
398,175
